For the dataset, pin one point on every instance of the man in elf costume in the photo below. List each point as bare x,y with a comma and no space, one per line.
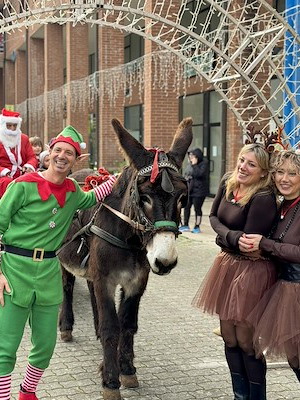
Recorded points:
16,154
35,214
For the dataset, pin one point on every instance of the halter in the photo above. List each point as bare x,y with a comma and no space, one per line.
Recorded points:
166,185
144,225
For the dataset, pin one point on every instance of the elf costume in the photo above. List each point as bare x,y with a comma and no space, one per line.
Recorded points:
35,216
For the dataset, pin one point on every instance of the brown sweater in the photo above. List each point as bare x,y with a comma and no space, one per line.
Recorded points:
231,220
289,249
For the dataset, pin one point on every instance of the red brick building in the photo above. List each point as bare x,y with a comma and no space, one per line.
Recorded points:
41,63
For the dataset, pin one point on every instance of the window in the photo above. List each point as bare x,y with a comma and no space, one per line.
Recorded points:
279,5
93,142
92,63
207,22
133,47
1,42
133,118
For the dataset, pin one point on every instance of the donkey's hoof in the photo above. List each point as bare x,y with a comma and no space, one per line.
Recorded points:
66,336
111,394
129,381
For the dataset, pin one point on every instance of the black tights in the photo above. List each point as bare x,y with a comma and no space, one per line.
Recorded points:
240,354
197,202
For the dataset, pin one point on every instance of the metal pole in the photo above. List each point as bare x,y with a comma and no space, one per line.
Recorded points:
292,71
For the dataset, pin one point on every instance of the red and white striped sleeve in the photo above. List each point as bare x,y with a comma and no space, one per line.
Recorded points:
105,188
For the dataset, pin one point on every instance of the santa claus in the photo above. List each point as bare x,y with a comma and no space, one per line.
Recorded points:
16,154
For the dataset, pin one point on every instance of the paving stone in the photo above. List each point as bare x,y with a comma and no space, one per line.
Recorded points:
177,355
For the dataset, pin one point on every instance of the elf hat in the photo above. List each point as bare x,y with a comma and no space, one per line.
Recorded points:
71,136
10,117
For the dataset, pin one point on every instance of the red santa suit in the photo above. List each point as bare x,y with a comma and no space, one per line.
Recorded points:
16,151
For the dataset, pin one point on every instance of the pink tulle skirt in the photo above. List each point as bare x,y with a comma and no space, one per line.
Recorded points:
234,285
277,322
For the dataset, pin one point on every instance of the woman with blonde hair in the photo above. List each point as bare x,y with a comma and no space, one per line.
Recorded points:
276,317
245,203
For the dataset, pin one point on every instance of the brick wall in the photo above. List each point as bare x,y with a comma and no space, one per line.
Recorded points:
110,56
36,82
161,111
1,89
54,77
77,68
20,75
9,68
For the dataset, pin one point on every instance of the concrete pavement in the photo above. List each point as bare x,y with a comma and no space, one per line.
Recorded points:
177,355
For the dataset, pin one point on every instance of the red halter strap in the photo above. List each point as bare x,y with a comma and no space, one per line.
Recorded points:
155,168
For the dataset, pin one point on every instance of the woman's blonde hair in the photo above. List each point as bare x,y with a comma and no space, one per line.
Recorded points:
263,160
278,159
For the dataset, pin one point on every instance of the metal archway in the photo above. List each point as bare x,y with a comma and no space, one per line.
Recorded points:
239,49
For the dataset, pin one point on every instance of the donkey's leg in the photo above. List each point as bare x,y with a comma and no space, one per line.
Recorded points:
109,332
128,318
66,317
94,307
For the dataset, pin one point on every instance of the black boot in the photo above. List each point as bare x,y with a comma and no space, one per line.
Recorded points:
258,391
297,373
240,386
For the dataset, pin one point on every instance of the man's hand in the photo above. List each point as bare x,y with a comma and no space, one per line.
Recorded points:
3,286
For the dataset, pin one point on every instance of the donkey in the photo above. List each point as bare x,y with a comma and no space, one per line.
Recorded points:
132,232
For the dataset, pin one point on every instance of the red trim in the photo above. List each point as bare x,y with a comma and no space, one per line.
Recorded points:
46,188
155,168
69,140
285,210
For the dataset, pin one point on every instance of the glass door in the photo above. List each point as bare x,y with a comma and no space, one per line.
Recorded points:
215,157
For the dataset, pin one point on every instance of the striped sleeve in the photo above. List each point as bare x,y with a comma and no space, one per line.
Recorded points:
105,188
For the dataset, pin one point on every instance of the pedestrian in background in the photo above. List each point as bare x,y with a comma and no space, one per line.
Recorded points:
245,203
276,317
37,145
196,175
44,160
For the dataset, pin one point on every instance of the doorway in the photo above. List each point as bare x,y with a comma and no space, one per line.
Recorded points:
206,111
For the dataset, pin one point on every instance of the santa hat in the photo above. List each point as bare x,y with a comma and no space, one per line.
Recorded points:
71,136
10,117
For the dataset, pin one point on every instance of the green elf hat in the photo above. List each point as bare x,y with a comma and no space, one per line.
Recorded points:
71,136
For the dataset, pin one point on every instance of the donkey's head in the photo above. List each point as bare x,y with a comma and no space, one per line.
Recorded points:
158,193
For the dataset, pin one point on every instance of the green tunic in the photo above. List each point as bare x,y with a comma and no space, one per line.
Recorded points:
29,222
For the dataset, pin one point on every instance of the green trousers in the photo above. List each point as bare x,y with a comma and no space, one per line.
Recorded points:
43,324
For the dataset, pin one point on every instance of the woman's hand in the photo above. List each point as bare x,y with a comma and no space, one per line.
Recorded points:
3,286
249,242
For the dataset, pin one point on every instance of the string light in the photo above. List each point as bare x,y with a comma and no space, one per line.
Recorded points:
235,48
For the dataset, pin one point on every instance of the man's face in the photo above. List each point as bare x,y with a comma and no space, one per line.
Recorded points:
62,158
11,127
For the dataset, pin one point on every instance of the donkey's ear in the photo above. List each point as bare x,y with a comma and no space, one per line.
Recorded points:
182,140
134,150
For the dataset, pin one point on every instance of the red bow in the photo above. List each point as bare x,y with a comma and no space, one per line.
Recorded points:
155,168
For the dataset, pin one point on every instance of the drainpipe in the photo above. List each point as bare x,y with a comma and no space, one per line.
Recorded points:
27,87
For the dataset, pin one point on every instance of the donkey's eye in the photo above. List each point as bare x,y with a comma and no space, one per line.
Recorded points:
145,199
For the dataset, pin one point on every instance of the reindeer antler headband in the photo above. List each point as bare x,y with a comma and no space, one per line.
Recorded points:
269,139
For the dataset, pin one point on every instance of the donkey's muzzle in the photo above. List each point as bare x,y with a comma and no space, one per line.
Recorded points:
161,269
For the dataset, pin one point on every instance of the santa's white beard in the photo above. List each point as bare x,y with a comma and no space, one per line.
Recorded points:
10,138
